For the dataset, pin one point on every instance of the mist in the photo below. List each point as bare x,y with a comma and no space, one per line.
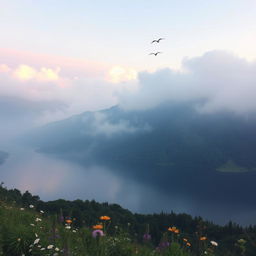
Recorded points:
217,81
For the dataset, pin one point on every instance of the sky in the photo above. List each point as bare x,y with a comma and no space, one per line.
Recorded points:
61,58
85,54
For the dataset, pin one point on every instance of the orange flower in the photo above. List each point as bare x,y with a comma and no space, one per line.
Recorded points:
176,231
188,244
97,227
105,218
68,221
203,238
172,229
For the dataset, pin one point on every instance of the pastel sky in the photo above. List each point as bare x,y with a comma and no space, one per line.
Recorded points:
119,32
85,54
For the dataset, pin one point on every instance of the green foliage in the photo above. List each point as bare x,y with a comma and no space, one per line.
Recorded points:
27,230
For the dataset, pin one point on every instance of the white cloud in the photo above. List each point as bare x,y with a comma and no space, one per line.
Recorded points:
224,81
49,84
101,124
118,74
26,72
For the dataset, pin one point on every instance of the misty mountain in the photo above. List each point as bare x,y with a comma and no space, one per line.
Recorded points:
3,156
172,147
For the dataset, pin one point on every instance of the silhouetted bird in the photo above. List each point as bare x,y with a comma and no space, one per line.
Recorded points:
154,53
157,41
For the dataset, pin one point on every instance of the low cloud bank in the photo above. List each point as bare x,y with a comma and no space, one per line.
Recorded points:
52,89
220,79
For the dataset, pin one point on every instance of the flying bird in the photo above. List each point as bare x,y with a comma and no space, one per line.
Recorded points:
157,41
155,53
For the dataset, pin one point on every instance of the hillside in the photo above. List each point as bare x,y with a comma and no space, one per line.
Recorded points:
28,224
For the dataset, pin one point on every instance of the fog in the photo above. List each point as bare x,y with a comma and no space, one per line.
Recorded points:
221,80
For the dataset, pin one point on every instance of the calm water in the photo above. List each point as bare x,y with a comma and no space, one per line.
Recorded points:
213,195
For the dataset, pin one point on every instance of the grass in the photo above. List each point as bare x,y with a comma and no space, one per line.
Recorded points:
26,232
231,167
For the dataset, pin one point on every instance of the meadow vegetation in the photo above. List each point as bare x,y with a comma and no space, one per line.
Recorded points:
27,228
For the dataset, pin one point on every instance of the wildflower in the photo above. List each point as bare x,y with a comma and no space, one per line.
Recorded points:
164,244
41,211
22,209
105,218
18,239
176,231
57,249
36,235
97,232
68,221
188,244
37,241
42,249
67,227
97,227
241,241
32,224
31,206
74,231
146,237
214,243
203,238
38,219
185,239
49,246
172,229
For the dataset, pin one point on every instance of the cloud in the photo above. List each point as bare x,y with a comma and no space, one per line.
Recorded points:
25,73
100,124
4,68
70,67
118,74
17,115
220,80
80,85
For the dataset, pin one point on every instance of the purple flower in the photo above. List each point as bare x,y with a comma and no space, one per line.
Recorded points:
146,237
164,244
97,232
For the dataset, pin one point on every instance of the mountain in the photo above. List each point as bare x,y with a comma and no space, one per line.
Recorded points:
173,147
3,157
